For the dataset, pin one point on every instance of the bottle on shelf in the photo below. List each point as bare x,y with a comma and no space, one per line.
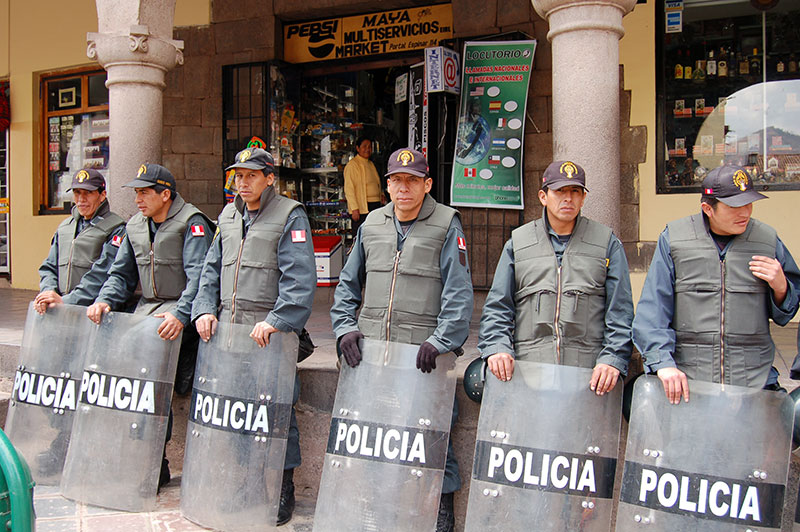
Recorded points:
678,70
699,72
711,65
780,66
791,67
755,63
722,63
744,64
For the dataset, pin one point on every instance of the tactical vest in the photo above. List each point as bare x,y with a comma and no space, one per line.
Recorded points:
560,316
160,263
721,299
250,275
76,254
403,291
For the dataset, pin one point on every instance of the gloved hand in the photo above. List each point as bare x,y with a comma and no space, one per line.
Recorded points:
348,345
426,357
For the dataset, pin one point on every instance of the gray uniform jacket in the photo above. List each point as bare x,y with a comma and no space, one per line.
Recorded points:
124,273
456,300
653,333
499,312
298,272
89,286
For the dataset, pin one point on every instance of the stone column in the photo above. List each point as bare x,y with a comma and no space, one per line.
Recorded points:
584,35
134,44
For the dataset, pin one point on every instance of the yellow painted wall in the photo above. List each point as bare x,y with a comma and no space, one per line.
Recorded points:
637,50
43,36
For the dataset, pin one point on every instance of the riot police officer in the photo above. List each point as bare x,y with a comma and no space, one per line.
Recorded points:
561,292
83,247
715,280
421,243
164,250
260,270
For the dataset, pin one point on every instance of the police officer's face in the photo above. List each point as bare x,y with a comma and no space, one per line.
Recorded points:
563,204
87,201
726,220
151,203
408,192
251,183
365,149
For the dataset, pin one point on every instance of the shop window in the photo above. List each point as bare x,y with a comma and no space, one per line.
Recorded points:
4,204
729,93
75,129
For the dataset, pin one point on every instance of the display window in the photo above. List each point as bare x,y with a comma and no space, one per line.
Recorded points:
729,92
75,130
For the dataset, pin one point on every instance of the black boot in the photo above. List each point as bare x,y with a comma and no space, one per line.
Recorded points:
286,507
446,521
163,477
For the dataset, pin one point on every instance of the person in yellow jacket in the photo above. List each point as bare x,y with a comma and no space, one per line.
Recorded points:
362,185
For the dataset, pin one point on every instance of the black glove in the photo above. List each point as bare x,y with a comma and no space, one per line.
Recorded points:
426,357
348,345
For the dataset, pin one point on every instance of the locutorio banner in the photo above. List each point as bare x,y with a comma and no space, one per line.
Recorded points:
487,167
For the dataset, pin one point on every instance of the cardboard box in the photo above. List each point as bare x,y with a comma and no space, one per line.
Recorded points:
329,255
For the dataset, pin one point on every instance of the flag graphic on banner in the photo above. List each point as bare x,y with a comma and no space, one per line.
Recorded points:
476,91
494,159
498,143
495,105
501,122
470,172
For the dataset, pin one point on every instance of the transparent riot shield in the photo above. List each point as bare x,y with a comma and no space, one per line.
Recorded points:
45,390
384,464
717,463
546,452
114,456
238,424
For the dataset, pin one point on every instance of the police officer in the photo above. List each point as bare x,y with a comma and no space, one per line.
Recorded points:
164,250
266,238
83,247
715,280
417,246
561,292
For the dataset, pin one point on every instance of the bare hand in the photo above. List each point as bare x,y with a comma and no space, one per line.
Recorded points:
95,312
604,378
45,300
501,365
675,384
355,215
206,326
170,328
261,332
770,270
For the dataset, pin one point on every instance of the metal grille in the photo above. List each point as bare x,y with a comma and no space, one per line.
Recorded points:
245,107
4,205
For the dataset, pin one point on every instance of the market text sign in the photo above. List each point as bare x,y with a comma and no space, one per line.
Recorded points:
366,35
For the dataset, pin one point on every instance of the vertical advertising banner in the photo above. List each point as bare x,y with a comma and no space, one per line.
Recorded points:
418,109
488,159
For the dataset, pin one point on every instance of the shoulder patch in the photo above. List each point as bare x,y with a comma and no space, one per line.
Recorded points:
299,236
116,240
462,243
198,230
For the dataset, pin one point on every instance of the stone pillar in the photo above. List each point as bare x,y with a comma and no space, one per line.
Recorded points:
134,44
584,35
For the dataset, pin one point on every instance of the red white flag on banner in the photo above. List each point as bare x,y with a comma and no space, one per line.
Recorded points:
470,172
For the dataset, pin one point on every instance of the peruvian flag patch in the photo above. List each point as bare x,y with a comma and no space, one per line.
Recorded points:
198,230
116,240
299,236
462,244
708,191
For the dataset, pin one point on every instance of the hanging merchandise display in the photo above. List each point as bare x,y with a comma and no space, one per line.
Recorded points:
487,167
5,107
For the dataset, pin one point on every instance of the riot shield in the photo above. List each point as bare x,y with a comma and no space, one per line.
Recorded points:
717,463
238,424
384,464
546,452
45,392
114,456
